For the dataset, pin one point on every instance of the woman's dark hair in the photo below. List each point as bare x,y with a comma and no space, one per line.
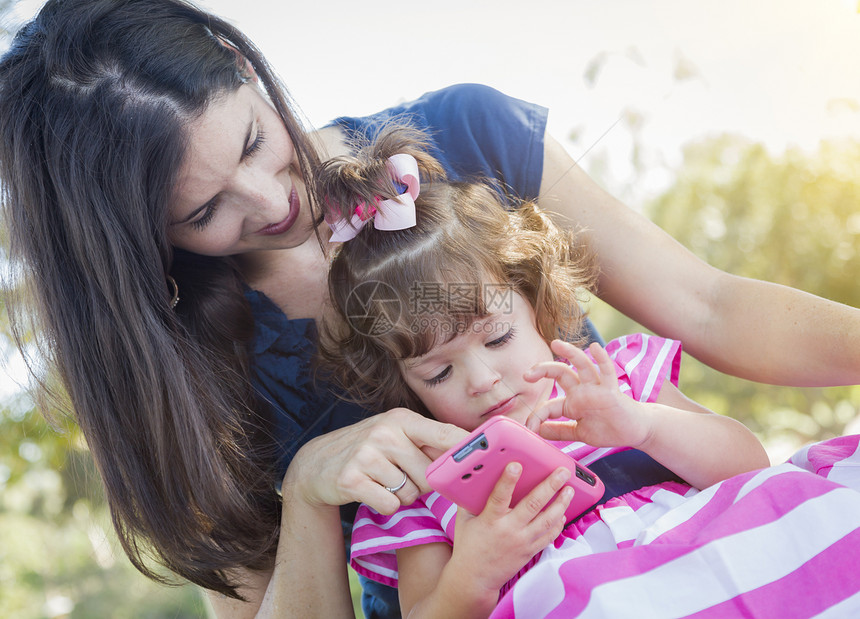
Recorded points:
95,98
394,294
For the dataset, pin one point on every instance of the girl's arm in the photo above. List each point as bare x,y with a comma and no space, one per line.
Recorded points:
747,328
700,446
354,463
703,449
489,549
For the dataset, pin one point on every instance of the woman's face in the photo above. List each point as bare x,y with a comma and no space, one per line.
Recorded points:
239,188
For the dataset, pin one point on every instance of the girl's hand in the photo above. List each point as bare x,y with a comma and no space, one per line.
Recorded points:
358,462
501,540
603,416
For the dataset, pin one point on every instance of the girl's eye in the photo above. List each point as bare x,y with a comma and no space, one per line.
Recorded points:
206,217
256,145
501,341
441,376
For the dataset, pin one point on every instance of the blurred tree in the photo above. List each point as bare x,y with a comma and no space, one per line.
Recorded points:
793,220
58,555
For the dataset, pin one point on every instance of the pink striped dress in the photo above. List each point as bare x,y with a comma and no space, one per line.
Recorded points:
642,363
782,542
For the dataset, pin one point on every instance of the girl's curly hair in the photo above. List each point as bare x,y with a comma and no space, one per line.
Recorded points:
395,294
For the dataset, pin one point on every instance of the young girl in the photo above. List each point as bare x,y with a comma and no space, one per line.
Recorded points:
445,302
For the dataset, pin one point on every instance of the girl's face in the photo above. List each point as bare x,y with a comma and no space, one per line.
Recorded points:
479,374
239,188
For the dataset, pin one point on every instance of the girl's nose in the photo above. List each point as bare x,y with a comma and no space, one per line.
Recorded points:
482,376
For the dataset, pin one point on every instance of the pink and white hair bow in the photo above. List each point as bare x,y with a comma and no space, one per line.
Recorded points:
394,214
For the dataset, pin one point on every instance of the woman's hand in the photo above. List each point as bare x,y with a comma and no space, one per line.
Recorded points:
358,462
355,463
604,416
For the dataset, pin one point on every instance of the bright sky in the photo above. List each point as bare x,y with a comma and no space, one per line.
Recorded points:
779,71
783,72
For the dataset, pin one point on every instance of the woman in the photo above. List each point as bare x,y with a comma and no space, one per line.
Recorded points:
156,201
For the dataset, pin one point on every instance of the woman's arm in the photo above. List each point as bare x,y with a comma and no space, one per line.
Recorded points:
354,463
748,328
309,578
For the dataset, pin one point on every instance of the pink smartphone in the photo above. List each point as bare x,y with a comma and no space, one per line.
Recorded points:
467,473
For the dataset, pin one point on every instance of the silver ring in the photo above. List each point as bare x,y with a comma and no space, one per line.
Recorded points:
399,486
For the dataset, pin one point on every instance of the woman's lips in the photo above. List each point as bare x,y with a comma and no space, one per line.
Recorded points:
287,223
502,408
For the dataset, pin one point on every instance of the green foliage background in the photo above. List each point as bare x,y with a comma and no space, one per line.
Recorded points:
792,219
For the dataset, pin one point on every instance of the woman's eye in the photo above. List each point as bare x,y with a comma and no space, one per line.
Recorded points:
206,217
432,382
501,341
256,145
209,212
